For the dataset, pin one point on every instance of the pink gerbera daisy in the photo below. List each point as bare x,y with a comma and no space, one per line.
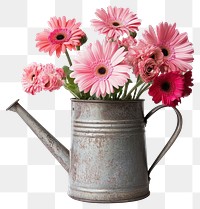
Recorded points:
175,46
30,79
167,88
63,34
99,68
115,22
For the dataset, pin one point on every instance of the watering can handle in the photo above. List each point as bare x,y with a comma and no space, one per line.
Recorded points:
173,137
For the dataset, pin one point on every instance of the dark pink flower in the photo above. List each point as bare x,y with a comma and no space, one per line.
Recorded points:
187,83
168,88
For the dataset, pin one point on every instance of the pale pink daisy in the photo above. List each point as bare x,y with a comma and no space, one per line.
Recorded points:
99,68
62,34
51,78
30,81
115,22
175,46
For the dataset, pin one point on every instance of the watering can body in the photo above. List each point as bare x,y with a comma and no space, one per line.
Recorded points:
108,154
107,161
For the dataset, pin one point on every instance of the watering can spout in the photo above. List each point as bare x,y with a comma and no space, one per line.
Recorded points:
60,152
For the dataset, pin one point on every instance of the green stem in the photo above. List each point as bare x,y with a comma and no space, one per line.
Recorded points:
68,57
143,90
125,90
138,78
119,95
135,92
130,92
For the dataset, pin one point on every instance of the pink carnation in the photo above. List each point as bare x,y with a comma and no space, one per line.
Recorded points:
60,73
141,53
51,78
38,77
30,80
148,70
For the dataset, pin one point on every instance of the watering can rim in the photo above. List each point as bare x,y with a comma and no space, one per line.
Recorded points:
106,101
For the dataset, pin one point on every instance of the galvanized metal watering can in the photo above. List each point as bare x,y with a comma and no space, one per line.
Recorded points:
107,160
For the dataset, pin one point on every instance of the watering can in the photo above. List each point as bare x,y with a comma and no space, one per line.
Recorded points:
107,161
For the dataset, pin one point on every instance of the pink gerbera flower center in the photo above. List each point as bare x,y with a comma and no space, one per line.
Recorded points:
116,23
165,52
59,36
101,71
32,77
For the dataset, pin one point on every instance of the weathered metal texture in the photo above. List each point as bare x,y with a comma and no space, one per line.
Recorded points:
107,161
173,137
108,156
60,152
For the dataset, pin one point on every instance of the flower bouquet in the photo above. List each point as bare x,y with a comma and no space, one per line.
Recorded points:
107,160
118,68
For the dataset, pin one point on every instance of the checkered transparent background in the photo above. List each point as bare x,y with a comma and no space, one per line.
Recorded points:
30,178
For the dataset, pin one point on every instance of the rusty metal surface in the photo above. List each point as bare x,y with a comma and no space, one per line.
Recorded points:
108,156
107,161
172,138
52,144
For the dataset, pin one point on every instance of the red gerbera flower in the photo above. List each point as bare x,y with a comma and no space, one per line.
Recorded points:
187,83
168,88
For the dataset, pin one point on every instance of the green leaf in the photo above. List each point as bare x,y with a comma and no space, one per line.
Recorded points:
114,96
73,88
133,34
67,73
78,48
83,39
